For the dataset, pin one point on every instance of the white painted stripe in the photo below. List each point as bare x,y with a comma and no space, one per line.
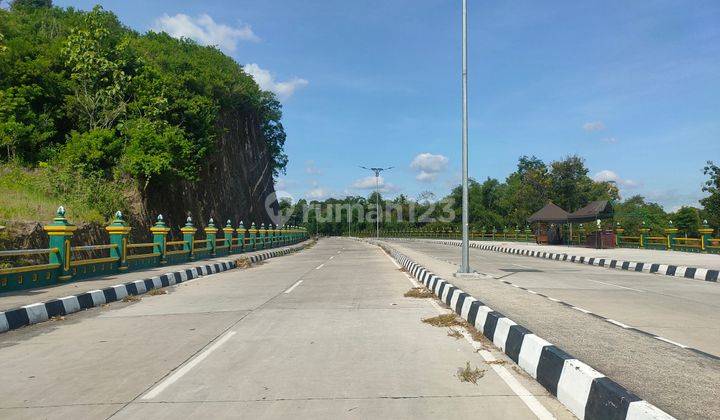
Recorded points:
70,304
157,283
643,410
671,342
120,291
701,273
618,323
320,266
680,271
140,286
297,283
532,291
581,309
36,312
187,367
530,351
574,385
617,285
481,317
4,326
502,329
98,297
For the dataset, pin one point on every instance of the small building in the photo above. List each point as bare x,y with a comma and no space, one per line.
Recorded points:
547,222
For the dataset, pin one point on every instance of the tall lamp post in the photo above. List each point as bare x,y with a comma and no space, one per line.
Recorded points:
465,265
377,196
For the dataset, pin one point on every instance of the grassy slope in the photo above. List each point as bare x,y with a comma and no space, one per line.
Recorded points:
26,195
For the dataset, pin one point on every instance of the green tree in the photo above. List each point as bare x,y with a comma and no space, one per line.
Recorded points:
31,3
96,68
711,203
687,219
635,211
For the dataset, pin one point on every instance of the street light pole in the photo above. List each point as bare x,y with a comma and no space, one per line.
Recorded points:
377,197
465,265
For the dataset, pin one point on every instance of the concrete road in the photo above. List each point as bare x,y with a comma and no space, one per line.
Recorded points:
325,333
594,323
683,311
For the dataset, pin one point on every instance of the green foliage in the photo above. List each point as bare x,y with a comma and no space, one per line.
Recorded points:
79,90
712,186
31,3
687,220
635,210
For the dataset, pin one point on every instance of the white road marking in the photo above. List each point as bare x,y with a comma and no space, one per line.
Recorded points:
581,309
320,266
331,257
187,367
622,287
297,283
526,396
523,266
618,323
671,342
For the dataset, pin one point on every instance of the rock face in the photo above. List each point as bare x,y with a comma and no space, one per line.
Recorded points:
234,184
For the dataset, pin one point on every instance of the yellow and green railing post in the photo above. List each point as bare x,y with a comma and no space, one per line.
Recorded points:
119,232
705,236
160,232
188,234
671,233
228,232
618,231
242,237
60,232
644,235
211,235
253,237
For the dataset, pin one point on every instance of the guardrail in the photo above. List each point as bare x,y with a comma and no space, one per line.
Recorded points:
670,240
68,263
475,235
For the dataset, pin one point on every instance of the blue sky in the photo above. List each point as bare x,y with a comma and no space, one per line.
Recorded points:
632,86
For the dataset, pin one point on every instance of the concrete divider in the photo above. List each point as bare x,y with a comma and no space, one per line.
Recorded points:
696,273
587,393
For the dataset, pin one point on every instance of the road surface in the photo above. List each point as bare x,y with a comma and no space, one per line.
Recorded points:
324,333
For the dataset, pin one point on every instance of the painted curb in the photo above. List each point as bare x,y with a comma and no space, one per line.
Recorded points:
42,311
587,393
640,267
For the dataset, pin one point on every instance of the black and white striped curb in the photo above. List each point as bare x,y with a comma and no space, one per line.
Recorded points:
643,267
606,319
587,393
43,311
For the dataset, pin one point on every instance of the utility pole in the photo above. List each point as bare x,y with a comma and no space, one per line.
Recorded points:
377,197
465,264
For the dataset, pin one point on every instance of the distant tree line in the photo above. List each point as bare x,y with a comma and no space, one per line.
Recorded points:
499,204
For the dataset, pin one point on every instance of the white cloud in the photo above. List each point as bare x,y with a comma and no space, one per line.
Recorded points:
428,166
311,169
368,183
266,81
317,193
611,140
610,176
593,126
204,30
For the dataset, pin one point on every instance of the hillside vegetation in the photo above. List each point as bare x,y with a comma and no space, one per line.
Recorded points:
96,116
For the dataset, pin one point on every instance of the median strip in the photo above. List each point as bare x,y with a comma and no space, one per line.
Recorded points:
586,392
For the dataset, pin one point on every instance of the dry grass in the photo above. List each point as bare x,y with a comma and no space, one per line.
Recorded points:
496,362
131,298
157,292
469,374
243,262
57,318
402,269
452,332
419,293
445,320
